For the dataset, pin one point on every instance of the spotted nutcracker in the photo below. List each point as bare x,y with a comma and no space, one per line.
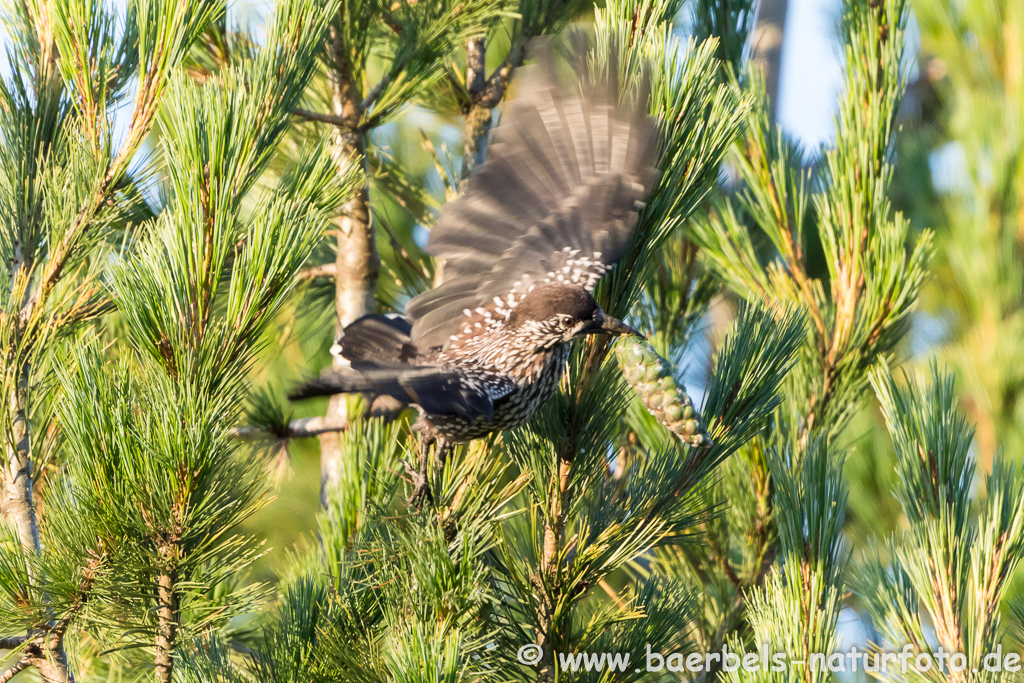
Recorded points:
550,211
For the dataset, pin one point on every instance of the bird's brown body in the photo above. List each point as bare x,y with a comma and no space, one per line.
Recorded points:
515,354
534,383
547,215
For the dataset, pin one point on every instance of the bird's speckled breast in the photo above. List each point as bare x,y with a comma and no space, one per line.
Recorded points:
536,388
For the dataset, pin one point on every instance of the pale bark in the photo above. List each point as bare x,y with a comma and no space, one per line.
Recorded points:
766,51
357,263
45,653
51,669
167,624
54,668
18,504
297,429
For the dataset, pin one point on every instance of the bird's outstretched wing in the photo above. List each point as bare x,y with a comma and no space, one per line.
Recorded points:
379,337
556,200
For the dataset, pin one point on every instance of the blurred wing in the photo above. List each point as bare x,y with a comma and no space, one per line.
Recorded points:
379,337
556,200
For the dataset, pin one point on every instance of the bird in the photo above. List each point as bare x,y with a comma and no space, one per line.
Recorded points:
549,212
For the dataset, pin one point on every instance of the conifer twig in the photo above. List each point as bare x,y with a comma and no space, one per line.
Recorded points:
14,670
12,642
332,119
328,270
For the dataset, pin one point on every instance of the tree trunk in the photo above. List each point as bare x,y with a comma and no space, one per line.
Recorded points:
18,505
554,534
167,624
767,48
484,95
553,619
357,263
479,116
478,126
17,496
54,669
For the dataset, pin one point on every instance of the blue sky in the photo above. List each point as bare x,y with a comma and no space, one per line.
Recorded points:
811,71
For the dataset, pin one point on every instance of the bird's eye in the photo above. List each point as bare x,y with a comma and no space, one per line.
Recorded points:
566,321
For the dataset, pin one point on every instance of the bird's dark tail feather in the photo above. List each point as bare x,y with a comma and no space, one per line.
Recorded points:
332,383
438,391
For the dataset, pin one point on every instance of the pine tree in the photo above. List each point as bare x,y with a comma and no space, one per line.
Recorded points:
530,529
961,173
138,549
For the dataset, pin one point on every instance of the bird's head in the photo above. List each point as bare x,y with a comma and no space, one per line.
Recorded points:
558,313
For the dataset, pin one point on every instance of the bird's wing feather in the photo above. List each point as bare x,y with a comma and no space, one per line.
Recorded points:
556,200
379,337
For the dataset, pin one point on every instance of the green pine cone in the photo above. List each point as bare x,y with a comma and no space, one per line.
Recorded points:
651,378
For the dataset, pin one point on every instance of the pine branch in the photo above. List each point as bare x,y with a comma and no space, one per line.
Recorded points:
326,270
17,500
855,323
167,624
12,642
40,317
303,428
45,652
13,671
959,589
486,92
484,95
196,294
332,119
478,124
968,61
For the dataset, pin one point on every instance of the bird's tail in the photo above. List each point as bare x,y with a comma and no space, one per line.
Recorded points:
438,391
384,362
334,382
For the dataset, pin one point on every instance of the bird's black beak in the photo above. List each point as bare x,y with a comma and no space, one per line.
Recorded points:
606,324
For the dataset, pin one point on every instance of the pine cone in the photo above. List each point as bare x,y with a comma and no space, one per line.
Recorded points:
651,378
